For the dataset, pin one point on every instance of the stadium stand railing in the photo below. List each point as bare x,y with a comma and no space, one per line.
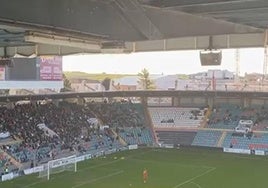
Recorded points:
175,137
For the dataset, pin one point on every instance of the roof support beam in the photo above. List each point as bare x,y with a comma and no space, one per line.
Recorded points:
42,49
136,16
227,7
199,43
185,43
35,37
185,3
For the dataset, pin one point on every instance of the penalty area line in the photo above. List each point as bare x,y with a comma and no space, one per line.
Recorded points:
99,178
193,178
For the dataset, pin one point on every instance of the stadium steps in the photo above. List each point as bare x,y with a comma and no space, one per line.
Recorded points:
96,116
12,160
121,140
207,115
10,141
219,144
149,122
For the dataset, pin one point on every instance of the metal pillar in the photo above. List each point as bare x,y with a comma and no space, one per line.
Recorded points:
265,62
237,64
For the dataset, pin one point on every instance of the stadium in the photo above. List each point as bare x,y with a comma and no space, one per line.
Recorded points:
153,138
186,144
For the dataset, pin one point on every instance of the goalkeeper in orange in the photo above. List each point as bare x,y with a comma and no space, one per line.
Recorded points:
145,175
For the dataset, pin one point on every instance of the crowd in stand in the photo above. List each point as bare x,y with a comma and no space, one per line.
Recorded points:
70,123
223,115
22,120
66,120
118,114
230,115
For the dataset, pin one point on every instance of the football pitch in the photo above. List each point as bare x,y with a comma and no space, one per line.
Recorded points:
167,168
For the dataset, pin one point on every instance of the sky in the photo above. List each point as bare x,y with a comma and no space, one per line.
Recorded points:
171,62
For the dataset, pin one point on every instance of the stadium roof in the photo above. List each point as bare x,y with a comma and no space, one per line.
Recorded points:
248,12
49,27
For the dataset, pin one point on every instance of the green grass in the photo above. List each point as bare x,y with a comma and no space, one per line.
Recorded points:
168,168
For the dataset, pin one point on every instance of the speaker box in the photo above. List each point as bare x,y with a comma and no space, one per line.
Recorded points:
210,58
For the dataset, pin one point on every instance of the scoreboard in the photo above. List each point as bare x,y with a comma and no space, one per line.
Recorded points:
32,73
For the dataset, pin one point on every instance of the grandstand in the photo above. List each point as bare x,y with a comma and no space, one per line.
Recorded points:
176,125
36,133
47,131
66,129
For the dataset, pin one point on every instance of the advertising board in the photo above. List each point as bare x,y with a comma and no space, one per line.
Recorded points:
50,67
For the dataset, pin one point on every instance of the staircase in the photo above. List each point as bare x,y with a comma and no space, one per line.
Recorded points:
12,160
207,115
121,140
10,141
219,144
149,122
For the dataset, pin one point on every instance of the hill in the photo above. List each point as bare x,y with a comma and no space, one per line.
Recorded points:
95,76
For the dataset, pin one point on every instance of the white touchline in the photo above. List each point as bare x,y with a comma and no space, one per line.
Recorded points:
191,179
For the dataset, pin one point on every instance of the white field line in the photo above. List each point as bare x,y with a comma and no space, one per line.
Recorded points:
193,178
31,184
196,184
99,178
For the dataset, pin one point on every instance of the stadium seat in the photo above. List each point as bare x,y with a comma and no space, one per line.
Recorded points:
176,117
207,138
